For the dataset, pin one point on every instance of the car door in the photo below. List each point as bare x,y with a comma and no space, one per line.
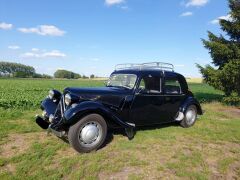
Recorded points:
148,104
173,95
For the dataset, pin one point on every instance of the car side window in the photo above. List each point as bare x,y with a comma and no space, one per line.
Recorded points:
150,84
172,86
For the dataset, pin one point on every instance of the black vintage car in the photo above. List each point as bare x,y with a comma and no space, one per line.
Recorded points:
135,95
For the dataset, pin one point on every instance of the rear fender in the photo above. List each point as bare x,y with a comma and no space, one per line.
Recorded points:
75,113
191,101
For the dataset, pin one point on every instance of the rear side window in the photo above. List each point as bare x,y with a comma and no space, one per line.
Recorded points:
150,84
172,86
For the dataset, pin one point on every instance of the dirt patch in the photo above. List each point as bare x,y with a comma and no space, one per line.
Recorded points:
231,111
233,171
11,168
121,175
212,152
18,143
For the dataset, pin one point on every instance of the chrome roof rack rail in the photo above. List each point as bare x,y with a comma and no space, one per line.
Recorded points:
144,66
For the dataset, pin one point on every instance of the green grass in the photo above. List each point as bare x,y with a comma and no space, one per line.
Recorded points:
205,93
209,149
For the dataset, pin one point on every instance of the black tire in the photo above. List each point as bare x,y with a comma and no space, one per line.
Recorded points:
186,122
74,133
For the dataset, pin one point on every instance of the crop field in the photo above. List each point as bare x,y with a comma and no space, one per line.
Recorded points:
208,150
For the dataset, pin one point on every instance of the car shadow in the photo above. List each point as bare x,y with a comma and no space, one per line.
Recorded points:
121,131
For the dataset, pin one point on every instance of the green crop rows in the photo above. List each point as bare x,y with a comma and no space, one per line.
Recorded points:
28,93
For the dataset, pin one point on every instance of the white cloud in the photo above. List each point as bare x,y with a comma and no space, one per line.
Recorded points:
186,14
30,55
196,3
14,47
5,26
35,49
44,30
216,21
40,54
113,2
54,53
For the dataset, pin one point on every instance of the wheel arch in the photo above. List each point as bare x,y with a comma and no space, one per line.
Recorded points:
191,101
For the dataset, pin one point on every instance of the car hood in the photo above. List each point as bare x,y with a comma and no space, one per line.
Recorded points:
107,95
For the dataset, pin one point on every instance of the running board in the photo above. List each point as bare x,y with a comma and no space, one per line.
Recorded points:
131,124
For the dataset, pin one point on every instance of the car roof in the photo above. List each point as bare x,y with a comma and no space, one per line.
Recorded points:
157,72
146,71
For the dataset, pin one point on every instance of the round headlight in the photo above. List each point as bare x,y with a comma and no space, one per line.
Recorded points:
44,113
68,99
51,94
54,95
51,118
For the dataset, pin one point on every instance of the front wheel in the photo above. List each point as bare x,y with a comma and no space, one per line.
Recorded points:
190,117
88,134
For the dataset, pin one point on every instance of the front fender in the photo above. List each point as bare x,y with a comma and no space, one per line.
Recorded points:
191,101
75,113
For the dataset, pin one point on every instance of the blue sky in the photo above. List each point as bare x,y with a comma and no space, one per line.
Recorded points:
92,36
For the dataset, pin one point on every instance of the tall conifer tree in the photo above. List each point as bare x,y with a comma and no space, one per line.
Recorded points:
225,53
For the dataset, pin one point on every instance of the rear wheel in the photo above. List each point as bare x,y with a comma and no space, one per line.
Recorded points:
190,117
88,134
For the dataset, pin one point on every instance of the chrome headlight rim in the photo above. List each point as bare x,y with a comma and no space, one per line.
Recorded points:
51,118
51,94
54,95
67,99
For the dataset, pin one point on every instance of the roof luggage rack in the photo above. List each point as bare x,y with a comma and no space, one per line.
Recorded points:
143,66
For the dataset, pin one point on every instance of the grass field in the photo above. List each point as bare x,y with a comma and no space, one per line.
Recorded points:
210,149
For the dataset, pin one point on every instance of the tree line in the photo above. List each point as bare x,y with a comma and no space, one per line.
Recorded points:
61,73
17,70
8,69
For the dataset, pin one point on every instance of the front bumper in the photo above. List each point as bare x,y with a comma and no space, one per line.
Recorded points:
46,125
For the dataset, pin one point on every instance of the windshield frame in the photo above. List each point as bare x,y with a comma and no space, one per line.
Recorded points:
129,88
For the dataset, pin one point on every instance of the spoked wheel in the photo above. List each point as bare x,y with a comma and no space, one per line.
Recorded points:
88,134
190,116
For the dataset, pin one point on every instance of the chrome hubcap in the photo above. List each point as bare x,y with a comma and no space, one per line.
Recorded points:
190,116
90,134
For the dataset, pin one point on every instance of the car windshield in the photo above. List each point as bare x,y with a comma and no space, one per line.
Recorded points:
122,80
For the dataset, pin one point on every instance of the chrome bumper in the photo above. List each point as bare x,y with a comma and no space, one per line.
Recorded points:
46,125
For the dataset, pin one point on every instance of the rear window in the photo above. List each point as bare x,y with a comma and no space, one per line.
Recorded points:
172,86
